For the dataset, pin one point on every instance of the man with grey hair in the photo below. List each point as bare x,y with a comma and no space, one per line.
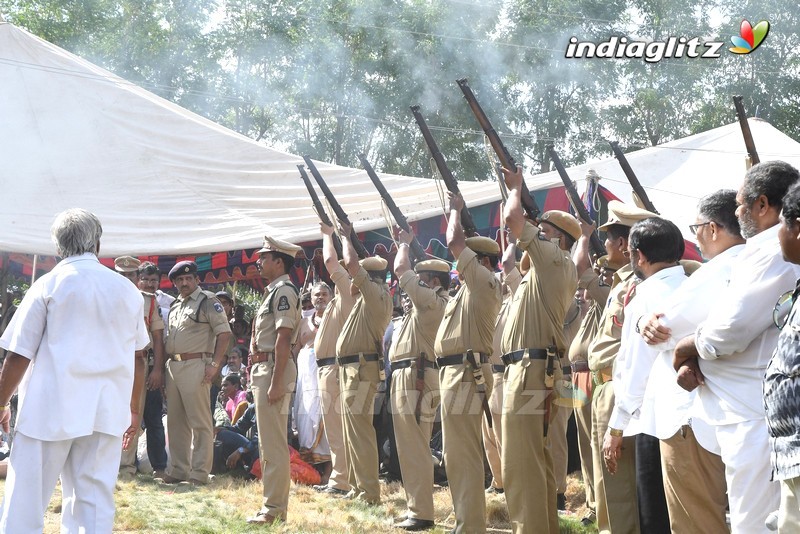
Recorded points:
80,325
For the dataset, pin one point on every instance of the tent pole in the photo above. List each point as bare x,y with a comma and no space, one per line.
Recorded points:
4,300
33,274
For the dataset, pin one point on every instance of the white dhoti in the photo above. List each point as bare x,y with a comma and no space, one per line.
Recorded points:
308,408
88,469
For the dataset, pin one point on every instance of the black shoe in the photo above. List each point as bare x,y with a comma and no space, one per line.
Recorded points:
491,490
587,521
561,502
330,490
415,524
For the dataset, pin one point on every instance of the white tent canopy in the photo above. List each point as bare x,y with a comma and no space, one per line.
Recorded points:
161,179
677,174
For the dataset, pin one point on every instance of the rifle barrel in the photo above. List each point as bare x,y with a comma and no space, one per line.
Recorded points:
321,213
746,133
632,179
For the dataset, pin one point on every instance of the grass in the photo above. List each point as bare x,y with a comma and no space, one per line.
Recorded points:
224,505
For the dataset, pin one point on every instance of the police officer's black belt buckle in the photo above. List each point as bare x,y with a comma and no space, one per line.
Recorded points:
517,355
344,360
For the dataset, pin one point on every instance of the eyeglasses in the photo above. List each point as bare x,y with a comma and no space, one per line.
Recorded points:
693,227
780,314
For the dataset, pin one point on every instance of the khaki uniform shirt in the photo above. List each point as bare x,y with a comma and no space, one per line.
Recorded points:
335,314
418,329
187,335
470,315
280,309
152,316
545,294
579,348
511,281
364,328
603,351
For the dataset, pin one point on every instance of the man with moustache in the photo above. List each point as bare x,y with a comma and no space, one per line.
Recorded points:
466,328
729,352
330,326
415,380
198,338
273,374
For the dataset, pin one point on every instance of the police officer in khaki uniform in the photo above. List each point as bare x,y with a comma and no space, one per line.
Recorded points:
129,268
415,379
198,337
328,370
274,374
493,436
360,359
615,496
533,340
468,325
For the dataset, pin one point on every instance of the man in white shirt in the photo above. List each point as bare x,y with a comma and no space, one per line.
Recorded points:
694,475
729,352
645,397
80,326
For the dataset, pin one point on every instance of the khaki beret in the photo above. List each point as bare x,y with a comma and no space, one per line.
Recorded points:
183,267
564,221
690,266
624,214
437,266
374,263
126,264
602,261
277,245
483,245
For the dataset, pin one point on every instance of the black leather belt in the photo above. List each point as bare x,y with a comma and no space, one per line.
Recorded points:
344,360
456,359
498,368
403,364
579,367
517,355
324,362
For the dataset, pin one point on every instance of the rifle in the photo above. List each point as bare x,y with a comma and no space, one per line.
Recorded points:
416,248
638,190
419,385
528,202
321,213
748,136
595,243
480,385
337,208
447,177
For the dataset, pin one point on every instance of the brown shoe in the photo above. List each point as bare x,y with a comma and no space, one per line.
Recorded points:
168,479
159,473
263,518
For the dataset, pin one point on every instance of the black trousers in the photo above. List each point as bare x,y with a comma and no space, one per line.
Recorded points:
653,514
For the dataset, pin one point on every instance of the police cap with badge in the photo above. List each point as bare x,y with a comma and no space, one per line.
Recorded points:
279,246
126,264
483,246
624,215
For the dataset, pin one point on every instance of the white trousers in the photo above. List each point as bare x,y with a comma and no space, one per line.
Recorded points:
88,469
744,448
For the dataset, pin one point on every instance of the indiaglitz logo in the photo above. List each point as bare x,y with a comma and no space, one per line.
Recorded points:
619,47
749,38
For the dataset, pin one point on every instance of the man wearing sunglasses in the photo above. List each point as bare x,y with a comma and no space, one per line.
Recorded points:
729,352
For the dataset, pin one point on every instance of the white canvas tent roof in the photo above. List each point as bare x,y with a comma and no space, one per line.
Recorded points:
161,179
677,174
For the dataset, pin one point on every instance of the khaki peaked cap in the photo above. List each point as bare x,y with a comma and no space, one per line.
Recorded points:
483,245
437,266
126,264
563,221
625,215
277,245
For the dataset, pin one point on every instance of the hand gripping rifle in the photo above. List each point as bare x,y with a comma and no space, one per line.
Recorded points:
748,136
528,202
638,190
321,213
337,208
447,177
595,244
416,247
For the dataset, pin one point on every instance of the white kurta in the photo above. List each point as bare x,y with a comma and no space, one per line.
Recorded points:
307,406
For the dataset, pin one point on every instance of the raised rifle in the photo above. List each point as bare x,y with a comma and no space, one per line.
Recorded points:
337,208
480,385
528,202
447,177
638,190
416,248
595,244
321,213
748,136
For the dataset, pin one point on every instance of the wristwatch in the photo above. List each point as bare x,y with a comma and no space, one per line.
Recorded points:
214,364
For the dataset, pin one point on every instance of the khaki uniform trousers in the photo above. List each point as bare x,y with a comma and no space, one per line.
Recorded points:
694,484
359,382
189,425
558,433
328,380
462,411
273,447
582,387
413,439
127,463
530,485
615,496
493,437
789,513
